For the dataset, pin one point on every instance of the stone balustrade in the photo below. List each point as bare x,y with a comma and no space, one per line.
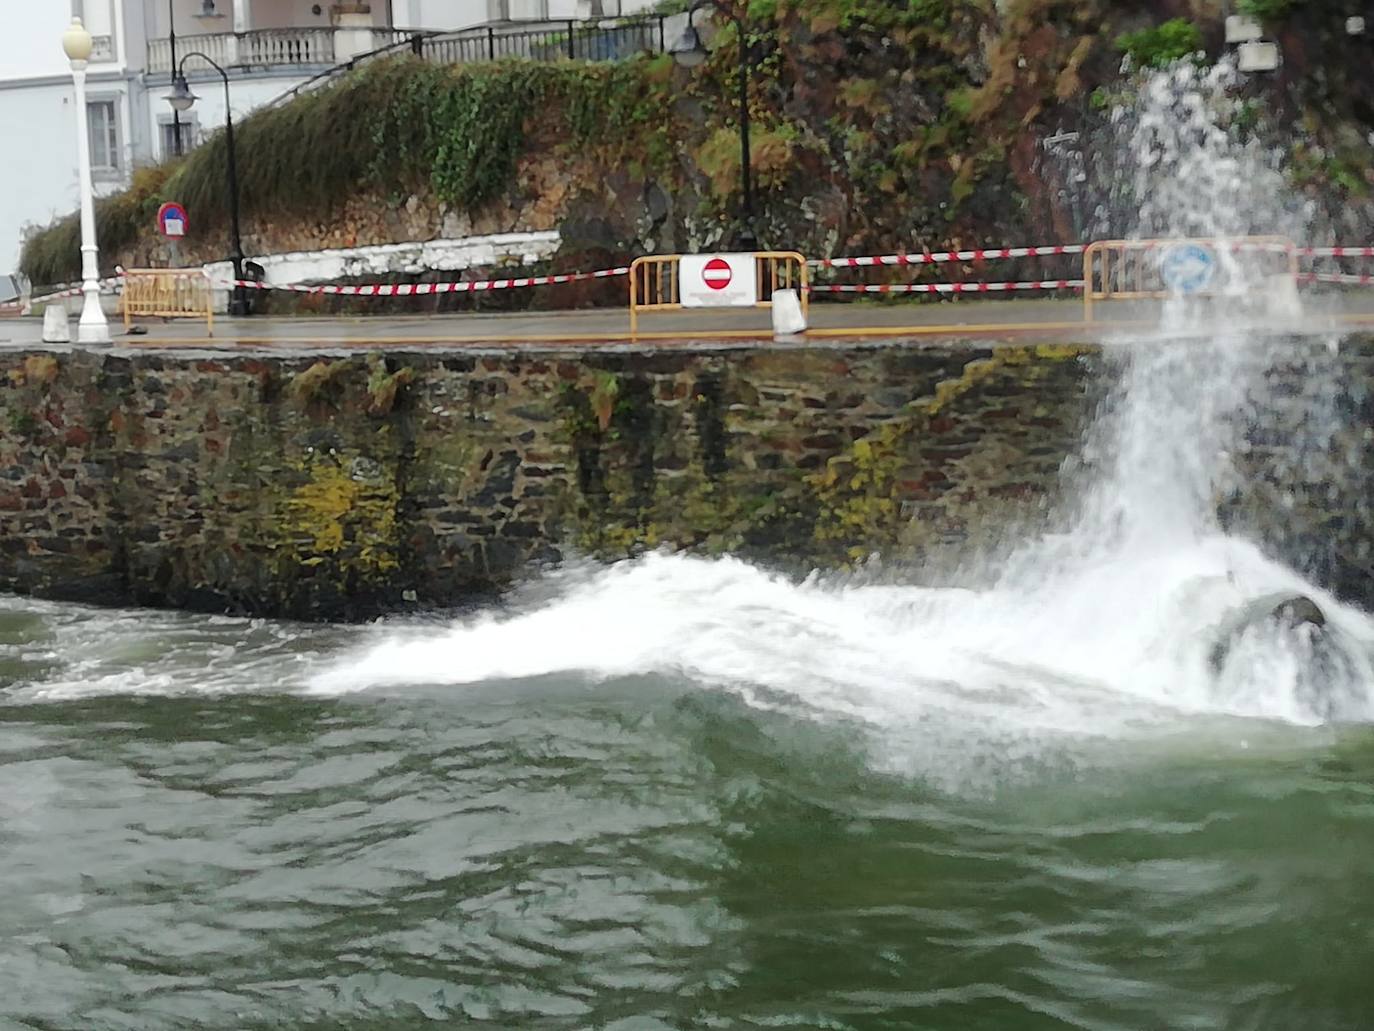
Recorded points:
259,48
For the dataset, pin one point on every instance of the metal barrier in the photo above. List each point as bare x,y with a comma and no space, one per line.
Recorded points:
169,294
600,39
655,282
1155,269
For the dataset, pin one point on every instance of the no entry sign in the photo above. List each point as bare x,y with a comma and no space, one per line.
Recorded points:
717,274
717,281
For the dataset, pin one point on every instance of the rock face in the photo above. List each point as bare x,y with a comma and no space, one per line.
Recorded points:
341,487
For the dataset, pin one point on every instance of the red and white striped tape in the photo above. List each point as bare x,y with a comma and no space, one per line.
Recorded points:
107,286
422,289
1335,277
71,291
1337,252
940,257
946,288
889,260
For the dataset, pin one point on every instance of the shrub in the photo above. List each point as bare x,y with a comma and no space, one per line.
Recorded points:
1266,10
1162,45
53,256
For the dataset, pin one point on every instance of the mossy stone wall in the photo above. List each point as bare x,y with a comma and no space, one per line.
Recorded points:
343,486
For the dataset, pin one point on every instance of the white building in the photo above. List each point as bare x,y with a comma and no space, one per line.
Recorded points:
266,46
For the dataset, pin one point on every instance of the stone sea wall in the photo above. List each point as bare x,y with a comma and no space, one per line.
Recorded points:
1301,483
343,486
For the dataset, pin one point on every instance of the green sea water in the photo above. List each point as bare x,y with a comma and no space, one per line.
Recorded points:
192,836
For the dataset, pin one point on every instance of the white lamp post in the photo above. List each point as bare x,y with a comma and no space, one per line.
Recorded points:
92,329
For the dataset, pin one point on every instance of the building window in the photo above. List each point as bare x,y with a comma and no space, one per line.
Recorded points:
104,133
168,136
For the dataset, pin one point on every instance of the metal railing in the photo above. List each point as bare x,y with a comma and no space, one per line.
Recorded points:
656,282
167,293
404,40
261,48
1125,270
606,39
603,39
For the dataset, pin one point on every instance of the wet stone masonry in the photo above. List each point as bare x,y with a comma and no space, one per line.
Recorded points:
341,487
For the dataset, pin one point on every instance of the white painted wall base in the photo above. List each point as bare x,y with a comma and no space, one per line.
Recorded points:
392,259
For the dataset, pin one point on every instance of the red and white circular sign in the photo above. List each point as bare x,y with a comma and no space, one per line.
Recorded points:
717,274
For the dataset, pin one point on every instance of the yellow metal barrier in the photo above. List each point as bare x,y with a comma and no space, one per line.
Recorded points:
1130,269
655,282
168,293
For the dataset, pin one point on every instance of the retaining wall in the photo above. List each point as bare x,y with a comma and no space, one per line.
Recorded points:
344,486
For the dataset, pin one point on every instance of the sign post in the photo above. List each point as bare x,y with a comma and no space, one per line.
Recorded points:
171,223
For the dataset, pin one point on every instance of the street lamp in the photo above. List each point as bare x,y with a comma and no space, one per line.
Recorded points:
92,329
181,98
172,46
689,52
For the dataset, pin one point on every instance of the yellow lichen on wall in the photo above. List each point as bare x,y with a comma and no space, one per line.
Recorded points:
316,517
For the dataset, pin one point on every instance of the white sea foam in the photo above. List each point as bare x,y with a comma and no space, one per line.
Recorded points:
1108,627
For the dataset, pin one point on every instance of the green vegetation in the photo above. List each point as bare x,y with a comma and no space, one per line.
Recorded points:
395,127
1344,171
54,256
1162,45
1266,10
383,386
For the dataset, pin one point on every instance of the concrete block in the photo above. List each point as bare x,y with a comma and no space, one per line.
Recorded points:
56,328
788,319
1241,28
1258,57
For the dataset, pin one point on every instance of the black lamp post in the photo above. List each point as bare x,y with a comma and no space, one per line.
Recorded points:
689,52
172,45
181,98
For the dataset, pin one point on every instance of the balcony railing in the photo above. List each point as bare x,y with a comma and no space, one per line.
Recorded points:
286,46
260,48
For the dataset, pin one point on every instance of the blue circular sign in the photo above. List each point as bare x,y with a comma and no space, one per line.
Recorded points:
1187,268
171,220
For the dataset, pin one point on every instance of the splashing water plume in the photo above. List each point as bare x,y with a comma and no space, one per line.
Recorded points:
1106,630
